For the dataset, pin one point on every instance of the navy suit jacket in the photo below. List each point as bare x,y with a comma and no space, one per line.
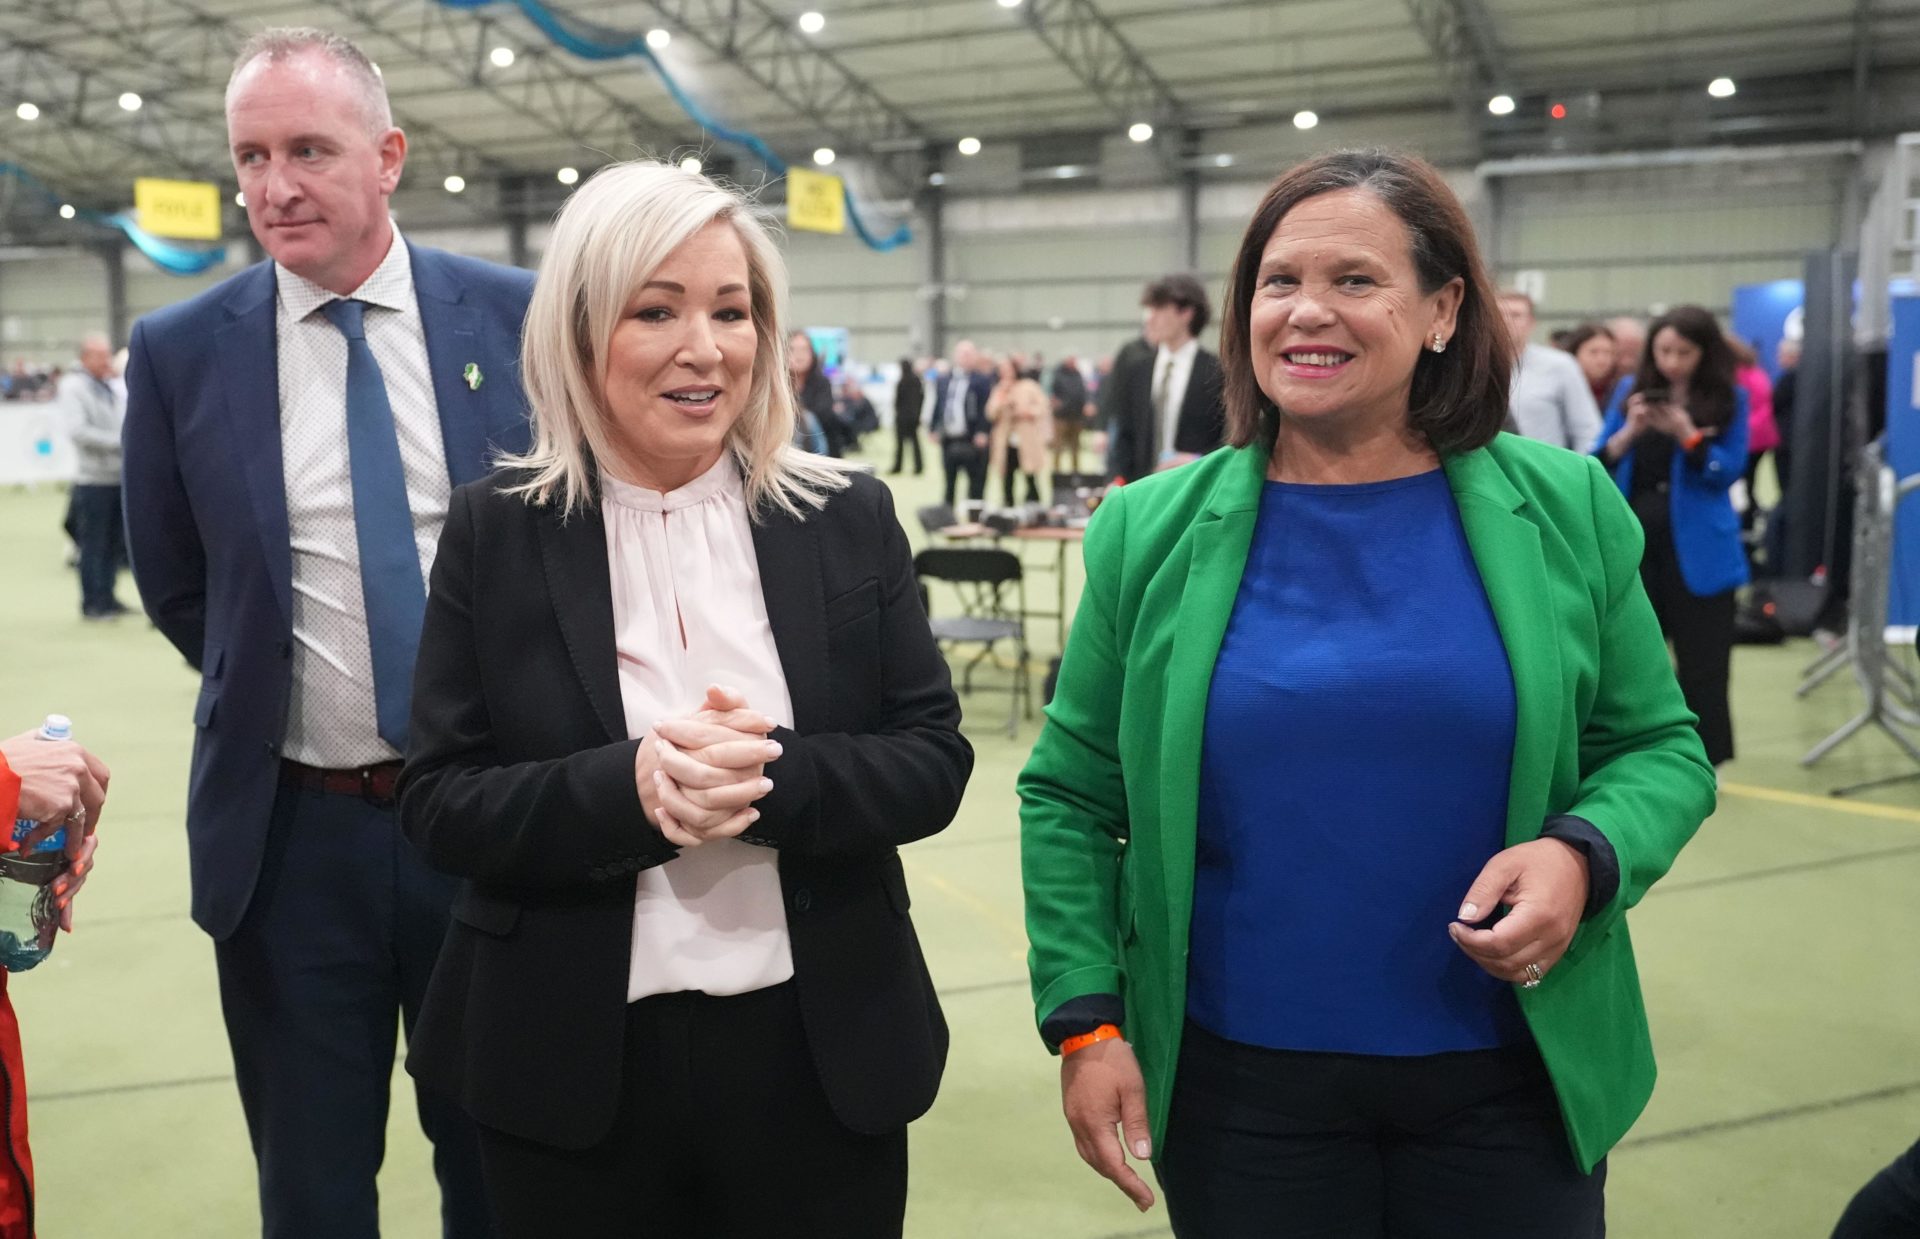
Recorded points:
207,519
979,388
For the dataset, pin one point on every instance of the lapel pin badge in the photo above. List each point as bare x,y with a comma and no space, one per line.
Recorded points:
473,377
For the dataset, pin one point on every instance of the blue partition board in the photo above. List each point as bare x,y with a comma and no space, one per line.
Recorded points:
1903,453
1760,316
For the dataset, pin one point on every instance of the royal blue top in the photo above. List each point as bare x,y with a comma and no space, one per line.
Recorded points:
1359,740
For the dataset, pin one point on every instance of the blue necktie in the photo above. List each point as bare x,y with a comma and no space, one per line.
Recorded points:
390,580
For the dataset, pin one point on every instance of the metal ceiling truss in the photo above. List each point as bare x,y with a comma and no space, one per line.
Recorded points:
188,51
578,110
764,46
1461,35
1094,50
83,136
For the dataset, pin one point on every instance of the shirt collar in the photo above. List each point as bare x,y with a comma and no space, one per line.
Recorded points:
1184,353
390,286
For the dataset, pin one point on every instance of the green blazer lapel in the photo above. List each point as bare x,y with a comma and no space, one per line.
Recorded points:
1216,560
1506,549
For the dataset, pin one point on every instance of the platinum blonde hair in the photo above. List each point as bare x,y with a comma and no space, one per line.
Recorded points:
611,235
282,43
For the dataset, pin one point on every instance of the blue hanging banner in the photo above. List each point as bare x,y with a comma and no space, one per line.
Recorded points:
171,258
592,42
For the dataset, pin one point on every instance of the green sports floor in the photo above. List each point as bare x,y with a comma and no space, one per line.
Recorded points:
1778,960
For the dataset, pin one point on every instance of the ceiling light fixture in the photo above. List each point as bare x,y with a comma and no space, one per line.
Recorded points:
1304,119
240,199
130,102
66,210
1009,4
455,184
823,156
502,57
1501,105
1721,88
1141,131
936,179
568,176
969,146
812,23
692,164
658,39
27,111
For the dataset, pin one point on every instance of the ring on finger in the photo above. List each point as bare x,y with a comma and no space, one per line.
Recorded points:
1534,977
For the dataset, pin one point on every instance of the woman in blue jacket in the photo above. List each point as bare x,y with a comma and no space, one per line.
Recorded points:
1675,438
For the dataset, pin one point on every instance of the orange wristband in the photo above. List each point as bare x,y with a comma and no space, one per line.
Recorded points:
1693,440
1106,1032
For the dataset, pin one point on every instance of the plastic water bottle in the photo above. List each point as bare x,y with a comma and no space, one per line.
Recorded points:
28,917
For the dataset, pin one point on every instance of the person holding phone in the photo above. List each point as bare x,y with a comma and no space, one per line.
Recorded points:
1675,439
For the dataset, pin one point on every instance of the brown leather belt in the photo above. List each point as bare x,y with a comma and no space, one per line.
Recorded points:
374,784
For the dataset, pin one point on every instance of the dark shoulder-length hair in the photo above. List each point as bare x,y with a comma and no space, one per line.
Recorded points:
1578,337
1710,393
1459,397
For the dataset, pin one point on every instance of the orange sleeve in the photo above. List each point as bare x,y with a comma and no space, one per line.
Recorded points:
9,792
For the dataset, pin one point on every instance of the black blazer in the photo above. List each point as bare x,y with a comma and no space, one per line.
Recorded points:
1132,450
520,779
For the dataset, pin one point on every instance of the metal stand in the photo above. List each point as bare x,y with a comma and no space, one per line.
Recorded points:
1887,687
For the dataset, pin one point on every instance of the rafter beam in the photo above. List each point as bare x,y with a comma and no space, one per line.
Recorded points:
765,47
189,57
578,109
1461,36
1086,41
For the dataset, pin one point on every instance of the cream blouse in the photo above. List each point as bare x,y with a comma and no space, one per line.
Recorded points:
688,612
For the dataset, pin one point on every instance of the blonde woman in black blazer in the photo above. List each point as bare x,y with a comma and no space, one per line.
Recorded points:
780,1110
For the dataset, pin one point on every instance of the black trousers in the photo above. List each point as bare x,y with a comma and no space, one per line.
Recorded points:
1268,1143
332,958
102,540
1701,630
1888,1207
723,1132
960,458
905,436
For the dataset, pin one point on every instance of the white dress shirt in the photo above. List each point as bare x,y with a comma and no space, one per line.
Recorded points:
1168,412
331,721
1550,400
688,612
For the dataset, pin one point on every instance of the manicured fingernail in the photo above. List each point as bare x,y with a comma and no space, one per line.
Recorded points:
1469,912
766,785
774,750
753,815
1142,1150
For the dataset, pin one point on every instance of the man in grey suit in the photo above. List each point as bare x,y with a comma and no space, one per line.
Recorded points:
93,411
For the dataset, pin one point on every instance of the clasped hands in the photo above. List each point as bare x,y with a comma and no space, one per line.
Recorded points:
699,775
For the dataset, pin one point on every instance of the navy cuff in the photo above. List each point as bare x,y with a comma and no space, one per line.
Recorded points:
1603,863
1078,1016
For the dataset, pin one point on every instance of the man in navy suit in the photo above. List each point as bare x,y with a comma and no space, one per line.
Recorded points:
292,438
959,422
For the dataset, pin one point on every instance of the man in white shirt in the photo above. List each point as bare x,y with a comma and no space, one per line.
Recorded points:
1550,399
292,439
93,411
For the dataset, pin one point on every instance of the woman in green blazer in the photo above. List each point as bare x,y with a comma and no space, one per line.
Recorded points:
1365,741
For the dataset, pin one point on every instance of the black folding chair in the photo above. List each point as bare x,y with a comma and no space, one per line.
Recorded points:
983,577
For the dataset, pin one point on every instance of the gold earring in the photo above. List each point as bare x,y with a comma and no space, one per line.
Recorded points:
1439,343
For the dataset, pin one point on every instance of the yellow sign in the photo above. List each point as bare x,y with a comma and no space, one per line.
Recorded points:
186,210
816,201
